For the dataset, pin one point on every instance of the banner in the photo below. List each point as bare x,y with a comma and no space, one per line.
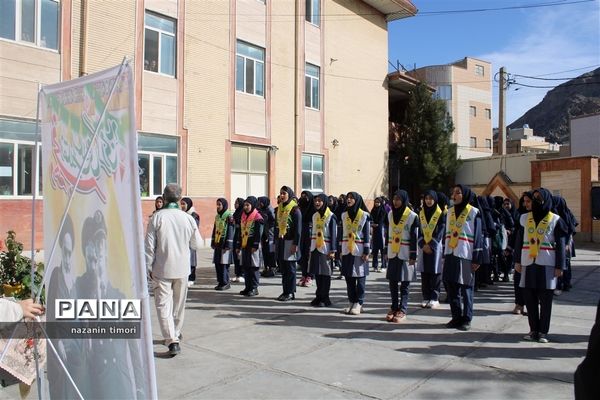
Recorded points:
93,235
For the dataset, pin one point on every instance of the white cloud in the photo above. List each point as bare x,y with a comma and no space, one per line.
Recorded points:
554,40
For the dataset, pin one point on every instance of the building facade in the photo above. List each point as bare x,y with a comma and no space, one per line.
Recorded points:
233,97
466,87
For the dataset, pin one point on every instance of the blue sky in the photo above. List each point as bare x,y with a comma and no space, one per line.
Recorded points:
557,41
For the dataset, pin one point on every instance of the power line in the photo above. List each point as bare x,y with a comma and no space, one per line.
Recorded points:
552,87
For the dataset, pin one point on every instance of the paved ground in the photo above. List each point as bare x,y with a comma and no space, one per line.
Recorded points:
257,348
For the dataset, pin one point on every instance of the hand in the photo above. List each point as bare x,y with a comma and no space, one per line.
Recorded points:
253,250
474,267
506,253
238,251
427,249
225,248
31,309
518,267
558,272
293,249
364,257
332,255
411,262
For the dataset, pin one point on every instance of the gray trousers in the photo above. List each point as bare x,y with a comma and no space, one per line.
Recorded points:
169,298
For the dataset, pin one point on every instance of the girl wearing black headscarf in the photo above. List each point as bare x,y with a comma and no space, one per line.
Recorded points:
187,205
429,259
378,217
442,202
356,230
222,243
563,211
288,230
401,233
462,256
525,205
237,219
267,241
307,208
323,245
251,226
540,258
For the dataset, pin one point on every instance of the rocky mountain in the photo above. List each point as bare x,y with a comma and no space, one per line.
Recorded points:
550,118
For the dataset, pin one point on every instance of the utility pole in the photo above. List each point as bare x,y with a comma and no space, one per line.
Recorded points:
502,113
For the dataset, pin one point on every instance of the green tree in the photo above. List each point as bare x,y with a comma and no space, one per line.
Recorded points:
420,145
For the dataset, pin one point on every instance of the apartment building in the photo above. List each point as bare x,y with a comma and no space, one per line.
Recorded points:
233,97
466,87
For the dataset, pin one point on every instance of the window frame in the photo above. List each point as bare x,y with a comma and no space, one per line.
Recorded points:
15,171
488,113
472,142
245,73
163,156
313,172
312,78
473,111
479,70
159,52
311,17
249,172
18,22
488,143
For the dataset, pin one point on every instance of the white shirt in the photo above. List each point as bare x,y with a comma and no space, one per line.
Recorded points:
170,235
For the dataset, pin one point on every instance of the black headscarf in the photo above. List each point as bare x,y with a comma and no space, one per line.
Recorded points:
332,203
541,209
324,199
253,201
155,200
466,199
189,202
307,206
290,193
430,210
358,204
378,212
237,214
563,211
522,209
224,203
397,212
442,200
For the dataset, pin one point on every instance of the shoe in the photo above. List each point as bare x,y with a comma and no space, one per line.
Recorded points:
241,279
252,293
347,309
340,276
190,283
315,302
288,297
378,270
425,304
543,338
505,278
356,309
308,281
517,310
280,297
269,273
390,315
302,282
225,287
433,304
399,316
464,327
244,292
327,303
557,292
174,349
531,336
453,323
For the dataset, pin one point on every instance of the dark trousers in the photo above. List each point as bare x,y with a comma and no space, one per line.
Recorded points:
399,304
192,276
355,287
564,281
375,253
288,276
237,264
251,278
323,287
539,309
460,298
430,286
304,257
222,271
268,257
519,299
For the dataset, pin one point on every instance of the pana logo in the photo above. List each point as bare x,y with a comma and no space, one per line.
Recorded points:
94,309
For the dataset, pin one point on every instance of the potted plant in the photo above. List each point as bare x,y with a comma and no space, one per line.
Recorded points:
15,270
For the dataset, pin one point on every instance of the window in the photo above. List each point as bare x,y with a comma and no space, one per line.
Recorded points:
488,113
472,142
312,172
488,143
250,69
479,70
249,171
157,163
30,21
311,86
312,12
473,111
17,157
443,92
159,44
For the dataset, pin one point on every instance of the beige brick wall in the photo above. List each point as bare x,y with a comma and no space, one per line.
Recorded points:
206,94
159,104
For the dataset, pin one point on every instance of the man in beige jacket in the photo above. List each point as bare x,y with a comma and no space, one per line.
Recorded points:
170,235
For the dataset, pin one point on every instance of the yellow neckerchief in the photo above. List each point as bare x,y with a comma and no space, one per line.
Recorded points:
396,230
320,226
455,226
536,233
247,225
429,227
221,224
445,210
283,213
352,227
